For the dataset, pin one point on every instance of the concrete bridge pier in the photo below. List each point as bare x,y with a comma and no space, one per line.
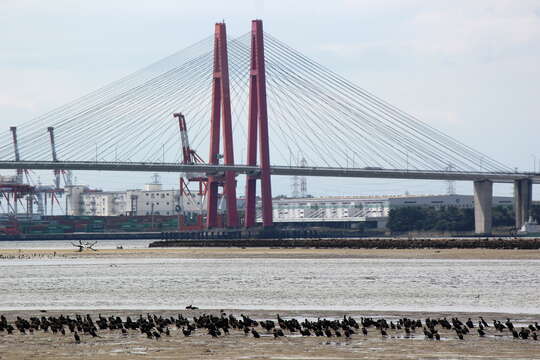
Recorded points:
483,203
522,201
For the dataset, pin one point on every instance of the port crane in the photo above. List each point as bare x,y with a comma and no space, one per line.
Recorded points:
13,190
190,157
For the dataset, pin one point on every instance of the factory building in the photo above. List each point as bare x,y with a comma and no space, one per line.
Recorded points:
96,203
152,200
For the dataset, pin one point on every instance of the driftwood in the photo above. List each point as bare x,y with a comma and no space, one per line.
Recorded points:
85,245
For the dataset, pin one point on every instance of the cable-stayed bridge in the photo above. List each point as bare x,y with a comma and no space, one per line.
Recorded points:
254,106
319,171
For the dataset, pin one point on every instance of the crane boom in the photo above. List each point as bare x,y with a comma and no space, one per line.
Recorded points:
20,172
190,157
50,129
186,150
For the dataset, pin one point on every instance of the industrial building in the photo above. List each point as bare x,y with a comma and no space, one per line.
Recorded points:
153,200
364,208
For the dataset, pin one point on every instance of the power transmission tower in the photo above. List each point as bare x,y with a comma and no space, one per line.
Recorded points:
295,183
450,184
303,180
299,183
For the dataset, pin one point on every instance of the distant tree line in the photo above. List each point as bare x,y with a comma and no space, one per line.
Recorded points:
535,213
450,218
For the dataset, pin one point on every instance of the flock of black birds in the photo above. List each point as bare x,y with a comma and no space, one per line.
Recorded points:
155,327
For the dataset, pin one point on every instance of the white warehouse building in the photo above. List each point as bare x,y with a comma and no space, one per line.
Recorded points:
152,200
364,208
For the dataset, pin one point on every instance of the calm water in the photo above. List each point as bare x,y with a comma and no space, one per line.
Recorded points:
328,284
63,244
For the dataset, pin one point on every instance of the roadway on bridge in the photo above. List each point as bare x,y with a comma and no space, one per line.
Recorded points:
497,177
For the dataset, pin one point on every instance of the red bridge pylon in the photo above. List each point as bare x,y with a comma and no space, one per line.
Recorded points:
221,106
257,133
258,123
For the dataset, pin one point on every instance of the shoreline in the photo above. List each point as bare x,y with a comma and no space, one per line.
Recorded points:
268,313
334,313
271,252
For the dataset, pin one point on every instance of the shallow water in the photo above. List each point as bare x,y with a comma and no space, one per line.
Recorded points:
66,244
511,286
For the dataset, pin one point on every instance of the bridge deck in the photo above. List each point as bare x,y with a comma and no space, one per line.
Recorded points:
498,177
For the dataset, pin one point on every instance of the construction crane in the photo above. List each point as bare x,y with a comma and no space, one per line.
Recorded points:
67,175
15,189
50,129
20,172
190,156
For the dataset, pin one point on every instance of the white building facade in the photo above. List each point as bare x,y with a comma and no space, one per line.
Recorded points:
364,208
152,200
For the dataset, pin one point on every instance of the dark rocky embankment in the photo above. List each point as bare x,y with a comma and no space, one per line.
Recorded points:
367,243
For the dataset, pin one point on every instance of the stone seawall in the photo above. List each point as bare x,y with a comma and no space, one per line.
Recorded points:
368,243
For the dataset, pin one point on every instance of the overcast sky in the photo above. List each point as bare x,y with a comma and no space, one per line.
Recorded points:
468,68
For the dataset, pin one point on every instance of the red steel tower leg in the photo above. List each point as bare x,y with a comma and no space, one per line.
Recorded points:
221,106
251,180
211,219
258,121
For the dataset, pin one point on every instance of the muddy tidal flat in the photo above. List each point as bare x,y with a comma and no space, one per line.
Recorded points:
396,344
315,287
106,251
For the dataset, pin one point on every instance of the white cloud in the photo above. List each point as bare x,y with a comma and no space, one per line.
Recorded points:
496,28
484,30
29,92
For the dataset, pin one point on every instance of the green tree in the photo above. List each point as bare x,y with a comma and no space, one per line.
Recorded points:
503,216
535,212
406,219
419,218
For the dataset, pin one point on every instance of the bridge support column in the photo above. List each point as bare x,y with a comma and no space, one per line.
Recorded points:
522,201
221,104
483,203
258,124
